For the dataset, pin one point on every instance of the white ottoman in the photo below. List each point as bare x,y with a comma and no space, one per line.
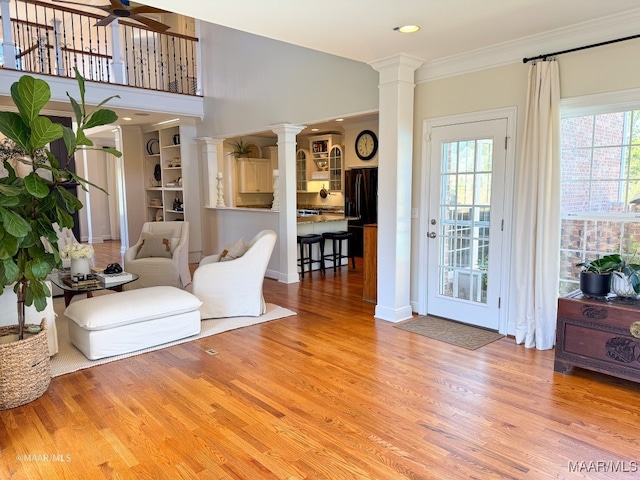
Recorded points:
127,321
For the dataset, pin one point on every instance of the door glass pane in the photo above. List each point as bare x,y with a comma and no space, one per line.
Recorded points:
465,213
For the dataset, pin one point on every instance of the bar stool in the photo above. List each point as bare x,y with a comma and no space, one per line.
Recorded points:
310,240
337,256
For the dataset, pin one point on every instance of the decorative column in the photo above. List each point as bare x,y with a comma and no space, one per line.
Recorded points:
396,87
8,47
288,229
211,150
220,202
276,192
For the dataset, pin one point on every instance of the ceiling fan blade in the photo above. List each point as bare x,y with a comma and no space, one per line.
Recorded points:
105,21
149,22
145,9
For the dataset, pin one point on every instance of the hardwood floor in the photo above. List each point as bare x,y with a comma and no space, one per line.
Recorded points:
330,393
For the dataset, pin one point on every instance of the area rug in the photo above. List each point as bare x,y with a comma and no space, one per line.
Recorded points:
449,331
70,359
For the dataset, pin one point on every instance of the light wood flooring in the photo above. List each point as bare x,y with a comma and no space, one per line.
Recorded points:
330,393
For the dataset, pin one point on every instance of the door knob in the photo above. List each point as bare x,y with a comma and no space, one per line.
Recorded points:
431,234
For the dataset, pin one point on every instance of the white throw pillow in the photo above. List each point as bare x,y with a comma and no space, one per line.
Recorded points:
233,251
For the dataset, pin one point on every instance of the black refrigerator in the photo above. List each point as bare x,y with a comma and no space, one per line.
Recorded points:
360,203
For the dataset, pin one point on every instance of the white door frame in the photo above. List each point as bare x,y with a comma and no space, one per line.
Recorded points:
510,114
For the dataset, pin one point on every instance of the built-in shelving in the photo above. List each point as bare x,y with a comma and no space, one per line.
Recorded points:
163,174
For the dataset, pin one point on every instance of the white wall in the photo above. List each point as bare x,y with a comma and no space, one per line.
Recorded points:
251,82
598,70
132,157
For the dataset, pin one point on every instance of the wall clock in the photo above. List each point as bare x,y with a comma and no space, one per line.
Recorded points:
366,145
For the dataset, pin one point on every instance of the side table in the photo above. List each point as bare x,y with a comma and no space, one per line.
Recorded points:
594,333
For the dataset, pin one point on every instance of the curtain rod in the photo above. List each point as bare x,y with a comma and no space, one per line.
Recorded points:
546,55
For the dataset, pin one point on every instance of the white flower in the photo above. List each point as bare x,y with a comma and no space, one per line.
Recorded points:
76,250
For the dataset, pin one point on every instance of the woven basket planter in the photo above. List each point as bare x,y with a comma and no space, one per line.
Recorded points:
25,368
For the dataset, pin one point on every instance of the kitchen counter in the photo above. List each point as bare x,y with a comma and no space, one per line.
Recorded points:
323,218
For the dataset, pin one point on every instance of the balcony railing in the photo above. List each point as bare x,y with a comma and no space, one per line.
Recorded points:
52,39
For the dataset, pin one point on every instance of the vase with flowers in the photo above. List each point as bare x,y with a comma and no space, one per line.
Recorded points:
80,255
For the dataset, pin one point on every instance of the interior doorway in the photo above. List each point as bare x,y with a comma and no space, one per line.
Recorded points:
104,216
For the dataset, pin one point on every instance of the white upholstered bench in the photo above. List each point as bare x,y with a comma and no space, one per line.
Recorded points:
124,322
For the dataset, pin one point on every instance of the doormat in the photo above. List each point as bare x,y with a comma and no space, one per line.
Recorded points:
449,331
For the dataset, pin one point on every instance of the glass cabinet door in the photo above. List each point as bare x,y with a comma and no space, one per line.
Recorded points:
335,168
301,171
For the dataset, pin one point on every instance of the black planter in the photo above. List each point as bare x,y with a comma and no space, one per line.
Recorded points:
595,284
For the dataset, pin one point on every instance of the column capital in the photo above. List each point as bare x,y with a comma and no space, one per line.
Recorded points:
210,140
286,129
399,68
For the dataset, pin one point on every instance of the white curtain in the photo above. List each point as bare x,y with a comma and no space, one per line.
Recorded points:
537,212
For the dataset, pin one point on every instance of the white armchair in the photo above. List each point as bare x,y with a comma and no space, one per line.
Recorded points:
158,270
9,315
234,288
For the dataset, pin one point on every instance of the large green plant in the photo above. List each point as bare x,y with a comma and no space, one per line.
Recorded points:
31,199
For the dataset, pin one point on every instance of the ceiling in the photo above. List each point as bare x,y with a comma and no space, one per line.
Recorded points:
363,29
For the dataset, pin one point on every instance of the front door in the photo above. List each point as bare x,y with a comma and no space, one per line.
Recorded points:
465,222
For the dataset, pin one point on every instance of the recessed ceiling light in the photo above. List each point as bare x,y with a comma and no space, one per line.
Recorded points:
128,119
339,119
314,129
407,28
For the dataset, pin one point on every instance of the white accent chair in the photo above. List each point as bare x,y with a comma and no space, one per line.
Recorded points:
234,288
157,271
9,315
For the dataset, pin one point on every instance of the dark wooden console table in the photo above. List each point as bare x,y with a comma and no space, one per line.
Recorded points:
594,334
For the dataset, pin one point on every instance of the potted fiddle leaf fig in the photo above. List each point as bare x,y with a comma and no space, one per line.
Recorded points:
32,192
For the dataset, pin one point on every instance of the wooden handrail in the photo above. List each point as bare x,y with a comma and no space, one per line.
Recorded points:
32,24
86,52
62,8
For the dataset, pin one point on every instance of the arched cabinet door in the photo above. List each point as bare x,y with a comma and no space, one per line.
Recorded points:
335,168
301,170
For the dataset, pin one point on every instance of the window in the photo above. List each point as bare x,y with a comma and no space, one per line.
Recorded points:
600,189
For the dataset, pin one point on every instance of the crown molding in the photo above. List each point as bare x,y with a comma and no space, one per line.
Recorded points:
586,33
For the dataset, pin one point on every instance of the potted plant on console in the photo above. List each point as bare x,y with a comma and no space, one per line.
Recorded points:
595,277
32,198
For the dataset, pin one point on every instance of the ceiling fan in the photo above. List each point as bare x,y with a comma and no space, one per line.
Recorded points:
123,9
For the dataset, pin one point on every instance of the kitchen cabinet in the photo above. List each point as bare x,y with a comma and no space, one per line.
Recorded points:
163,174
335,169
327,154
301,170
255,175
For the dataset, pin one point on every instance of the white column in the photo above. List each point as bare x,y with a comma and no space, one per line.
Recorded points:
211,150
287,198
117,62
8,47
394,186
